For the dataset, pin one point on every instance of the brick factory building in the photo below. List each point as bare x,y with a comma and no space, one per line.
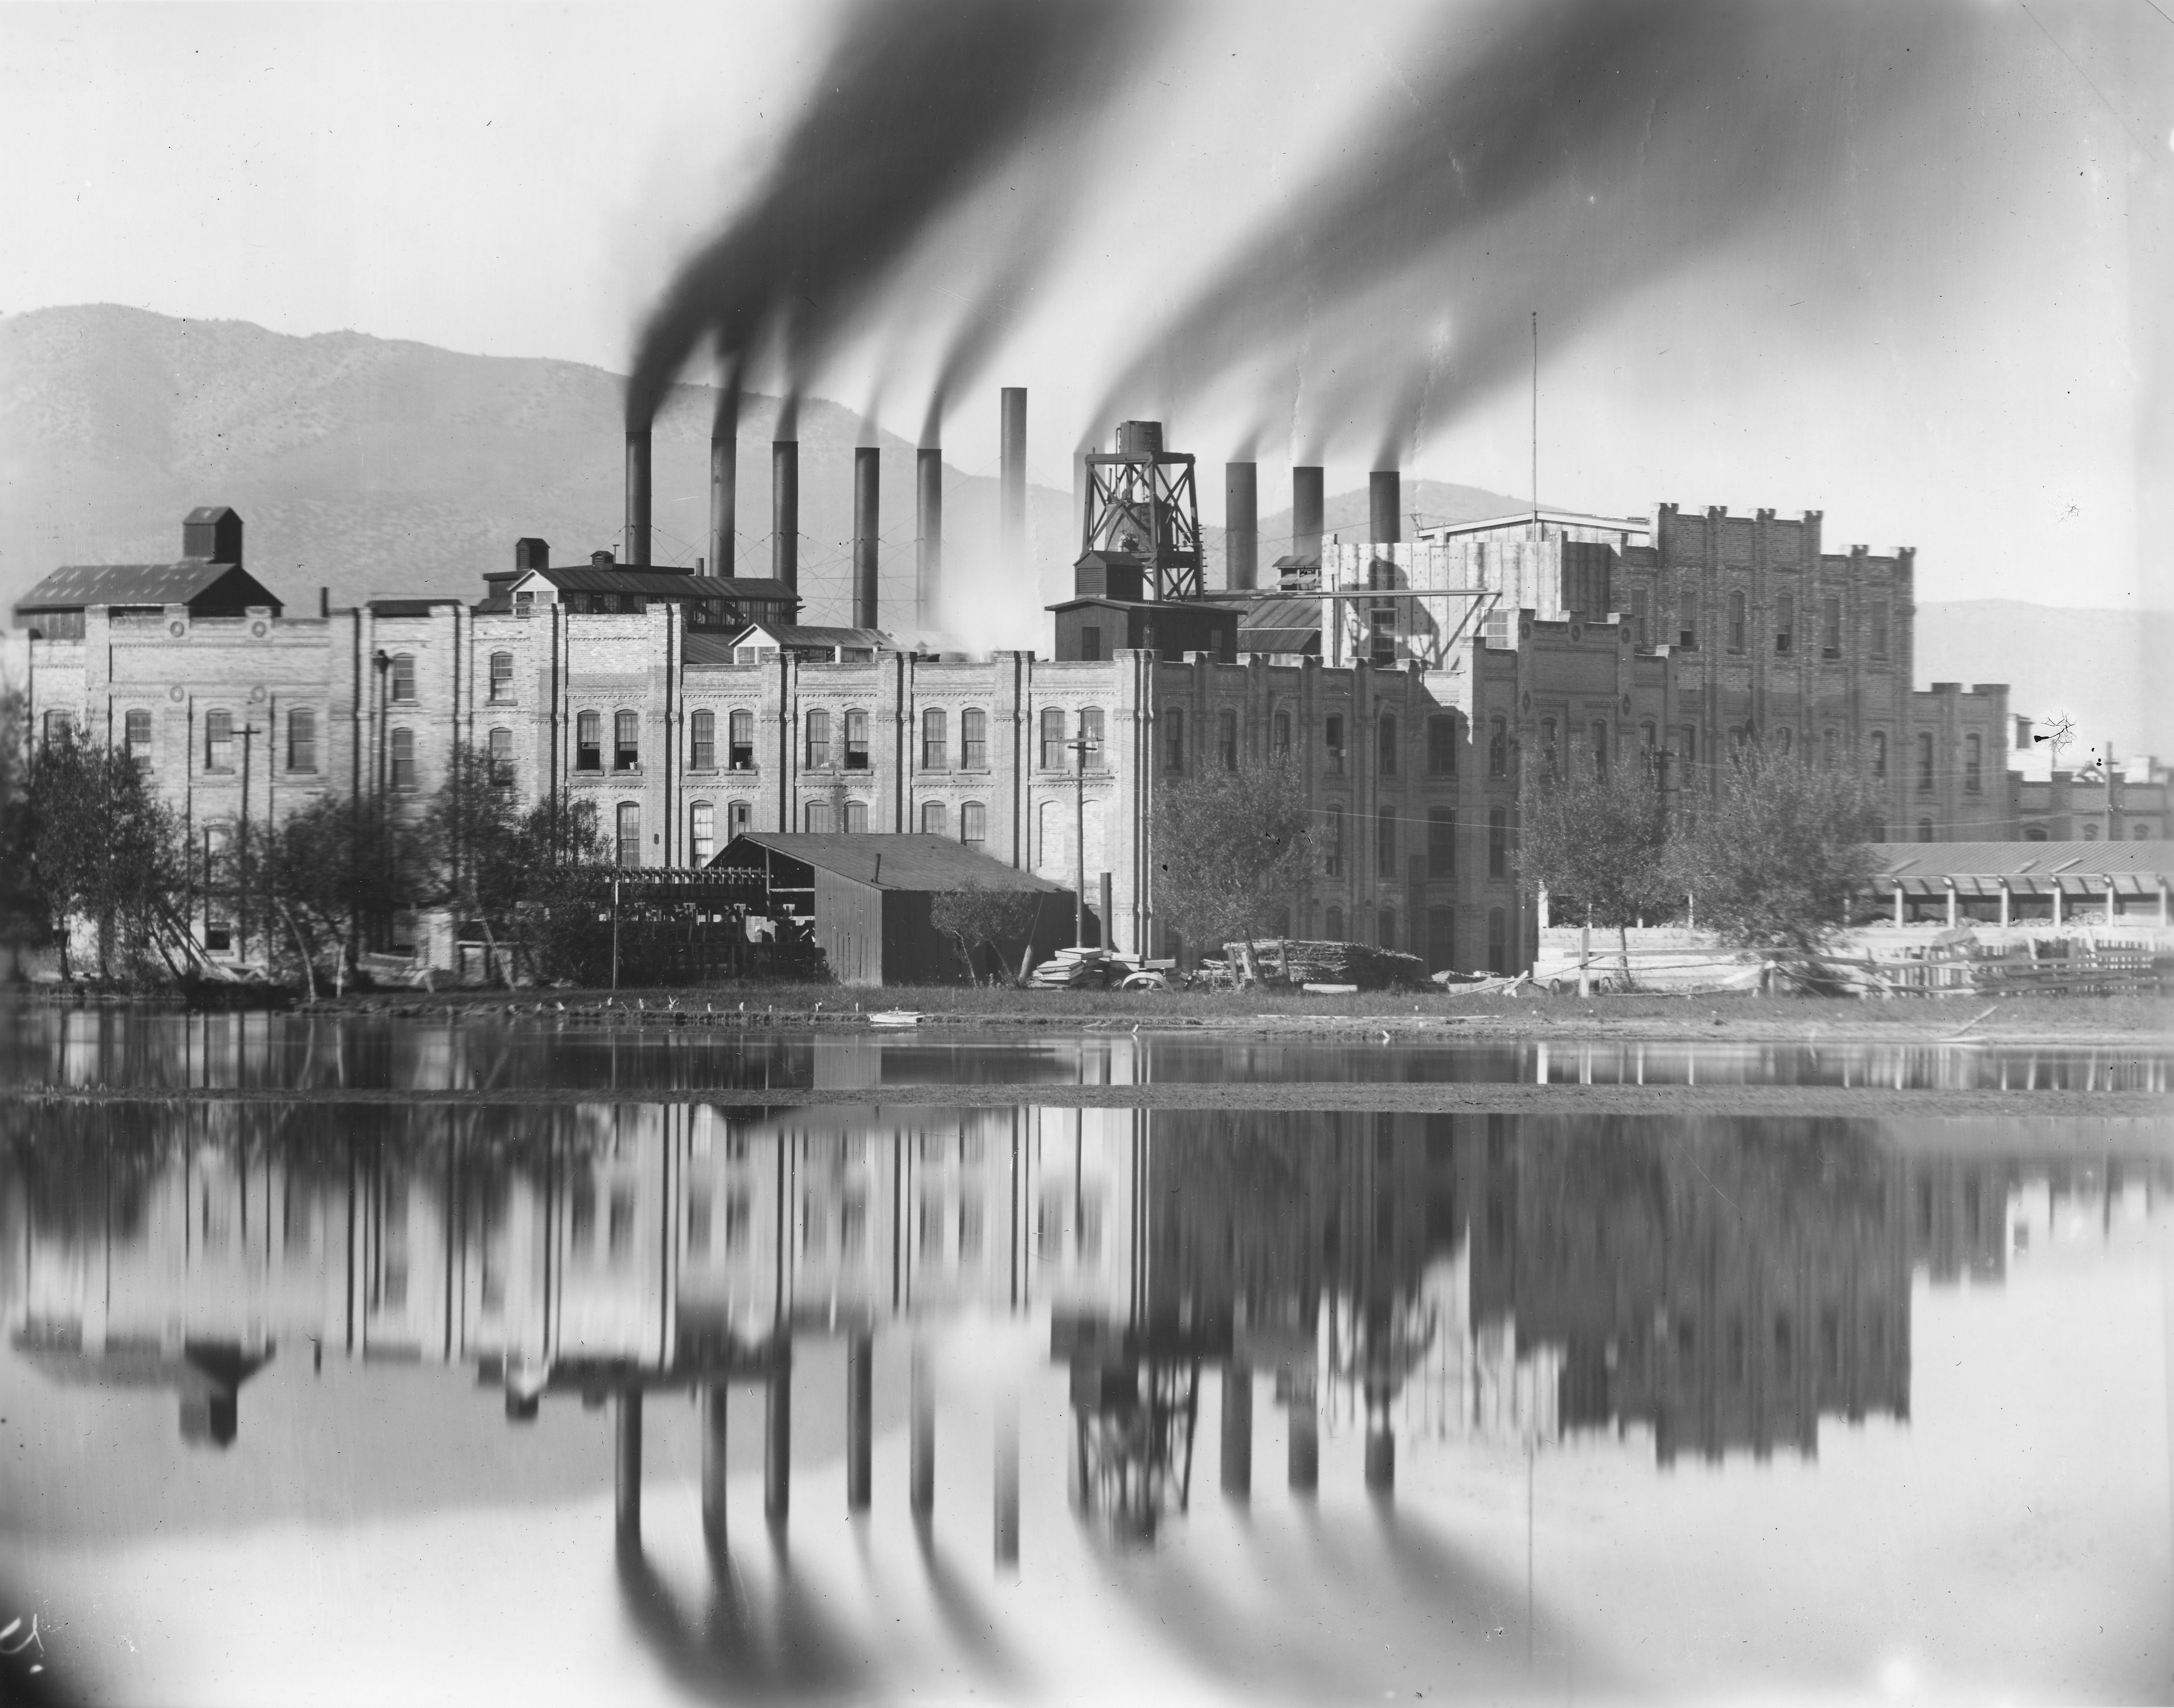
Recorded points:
1422,685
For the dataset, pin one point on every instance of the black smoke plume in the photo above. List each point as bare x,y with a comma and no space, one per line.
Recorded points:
1547,154
919,102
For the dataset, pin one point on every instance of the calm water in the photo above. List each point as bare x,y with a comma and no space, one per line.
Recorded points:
338,1403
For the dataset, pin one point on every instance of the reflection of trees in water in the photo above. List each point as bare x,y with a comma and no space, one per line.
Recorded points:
1133,1433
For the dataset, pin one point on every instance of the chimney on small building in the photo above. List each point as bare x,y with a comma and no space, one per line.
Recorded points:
529,554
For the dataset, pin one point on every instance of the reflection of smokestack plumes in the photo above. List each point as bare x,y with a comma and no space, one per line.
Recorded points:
785,512
636,546
1241,526
1306,510
929,534
868,486
1383,500
1012,480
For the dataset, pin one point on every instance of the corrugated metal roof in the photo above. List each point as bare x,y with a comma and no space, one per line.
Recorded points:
2040,860
74,585
712,648
894,862
602,578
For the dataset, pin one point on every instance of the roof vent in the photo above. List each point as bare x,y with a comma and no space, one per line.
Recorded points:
603,560
532,554
214,533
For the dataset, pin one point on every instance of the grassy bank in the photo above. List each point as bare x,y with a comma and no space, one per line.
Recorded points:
1530,1014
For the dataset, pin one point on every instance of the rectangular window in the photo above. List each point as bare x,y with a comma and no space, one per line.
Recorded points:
1549,757
1226,739
1498,748
1090,730
403,760
403,679
1385,843
1973,764
1332,743
974,739
1381,634
1090,644
626,741
1785,622
501,677
819,740
59,729
1639,602
502,759
1736,622
1498,941
740,728
1498,841
1600,752
1385,745
524,604
1879,636
1173,739
1052,739
1441,747
702,742
973,823
588,742
737,817
701,833
935,741
1442,842
301,740
1687,616
1924,765
933,818
630,833
1282,740
857,741
1334,864
219,740
137,738
1831,627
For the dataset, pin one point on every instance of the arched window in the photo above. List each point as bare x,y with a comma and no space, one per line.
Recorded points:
402,749
1973,765
1049,821
1332,924
626,741
701,833
935,740
1924,765
974,739
740,733
1880,752
815,817
588,742
1441,747
136,738
932,816
857,818
2139,833
1498,748
702,742
1924,830
1878,831
403,688
219,738
1052,739
1385,925
1385,843
1333,865
857,741
2036,833
1385,745
630,833
502,759
2090,834
819,740
501,677
1173,738
973,823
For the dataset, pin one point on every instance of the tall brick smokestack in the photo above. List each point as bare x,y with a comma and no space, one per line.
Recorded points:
785,512
636,546
724,500
1012,481
1384,499
1306,509
1241,526
868,512
929,534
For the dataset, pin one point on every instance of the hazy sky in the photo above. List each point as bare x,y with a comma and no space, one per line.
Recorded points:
1945,327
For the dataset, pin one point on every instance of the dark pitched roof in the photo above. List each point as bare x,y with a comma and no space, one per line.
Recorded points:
617,578
73,586
794,634
710,648
750,587
894,862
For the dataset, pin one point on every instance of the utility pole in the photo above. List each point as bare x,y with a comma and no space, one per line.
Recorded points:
1080,747
249,734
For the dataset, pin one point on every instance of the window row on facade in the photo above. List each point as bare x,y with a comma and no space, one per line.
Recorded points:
1784,634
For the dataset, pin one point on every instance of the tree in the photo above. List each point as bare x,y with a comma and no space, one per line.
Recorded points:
563,852
1231,846
25,922
1776,858
1598,845
478,845
328,870
979,917
102,847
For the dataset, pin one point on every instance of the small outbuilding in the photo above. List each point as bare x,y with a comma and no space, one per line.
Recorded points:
868,897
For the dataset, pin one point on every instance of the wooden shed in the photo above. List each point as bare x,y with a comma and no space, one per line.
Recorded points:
868,896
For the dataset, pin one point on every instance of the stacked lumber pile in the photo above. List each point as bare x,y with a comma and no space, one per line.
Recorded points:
1291,962
1089,969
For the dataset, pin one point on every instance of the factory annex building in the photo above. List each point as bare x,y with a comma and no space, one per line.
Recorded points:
1423,685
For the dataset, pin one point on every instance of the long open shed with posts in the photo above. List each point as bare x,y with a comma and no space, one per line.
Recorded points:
868,898
2055,884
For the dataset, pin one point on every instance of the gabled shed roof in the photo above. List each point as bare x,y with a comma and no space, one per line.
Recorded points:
76,586
912,863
